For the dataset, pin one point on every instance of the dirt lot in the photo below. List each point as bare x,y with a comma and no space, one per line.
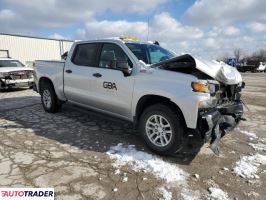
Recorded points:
84,155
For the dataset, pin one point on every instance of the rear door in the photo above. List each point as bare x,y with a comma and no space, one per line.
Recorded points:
111,89
78,72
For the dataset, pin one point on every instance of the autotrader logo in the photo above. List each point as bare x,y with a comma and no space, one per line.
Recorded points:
26,193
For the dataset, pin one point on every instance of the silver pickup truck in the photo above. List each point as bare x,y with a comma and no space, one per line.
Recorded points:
163,94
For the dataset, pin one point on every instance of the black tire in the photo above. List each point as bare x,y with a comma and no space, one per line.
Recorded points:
54,106
176,123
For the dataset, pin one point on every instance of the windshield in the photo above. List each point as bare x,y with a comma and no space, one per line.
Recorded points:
150,53
10,63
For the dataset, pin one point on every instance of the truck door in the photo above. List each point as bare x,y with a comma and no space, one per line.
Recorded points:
78,72
111,89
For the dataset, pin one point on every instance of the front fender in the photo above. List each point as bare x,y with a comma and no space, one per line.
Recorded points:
177,90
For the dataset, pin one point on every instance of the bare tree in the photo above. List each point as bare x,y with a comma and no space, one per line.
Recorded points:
223,57
237,54
260,55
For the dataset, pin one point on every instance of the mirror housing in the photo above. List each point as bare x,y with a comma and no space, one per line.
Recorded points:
122,65
64,56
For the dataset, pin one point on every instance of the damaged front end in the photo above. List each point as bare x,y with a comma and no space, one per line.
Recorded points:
16,79
225,114
222,108
213,123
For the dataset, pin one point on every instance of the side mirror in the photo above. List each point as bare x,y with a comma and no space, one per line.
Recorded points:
122,65
64,56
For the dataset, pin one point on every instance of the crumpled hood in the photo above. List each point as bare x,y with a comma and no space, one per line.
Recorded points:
219,71
14,69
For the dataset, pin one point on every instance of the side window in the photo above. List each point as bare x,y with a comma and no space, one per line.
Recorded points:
86,54
111,53
156,56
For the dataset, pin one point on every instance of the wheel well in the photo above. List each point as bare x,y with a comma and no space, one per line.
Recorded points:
149,100
44,80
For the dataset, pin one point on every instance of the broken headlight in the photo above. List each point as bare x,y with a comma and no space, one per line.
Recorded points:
3,74
205,87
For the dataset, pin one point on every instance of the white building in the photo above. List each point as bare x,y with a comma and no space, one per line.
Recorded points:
29,48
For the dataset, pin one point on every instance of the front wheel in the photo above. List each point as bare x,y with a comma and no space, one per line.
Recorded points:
49,98
162,129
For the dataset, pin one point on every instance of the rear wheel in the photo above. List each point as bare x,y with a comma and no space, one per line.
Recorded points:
162,129
49,99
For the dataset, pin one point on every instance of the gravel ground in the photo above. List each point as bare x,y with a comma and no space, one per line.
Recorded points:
68,151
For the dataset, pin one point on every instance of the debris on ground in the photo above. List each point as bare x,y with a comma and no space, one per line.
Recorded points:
217,194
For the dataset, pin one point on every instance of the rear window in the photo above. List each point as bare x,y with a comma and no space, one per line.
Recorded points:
86,54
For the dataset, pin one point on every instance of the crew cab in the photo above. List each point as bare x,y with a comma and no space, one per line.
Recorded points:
163,94
14,74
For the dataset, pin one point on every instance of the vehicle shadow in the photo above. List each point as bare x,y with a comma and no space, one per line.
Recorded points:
13,89
85,129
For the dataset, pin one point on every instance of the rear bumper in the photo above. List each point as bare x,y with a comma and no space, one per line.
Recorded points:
214,123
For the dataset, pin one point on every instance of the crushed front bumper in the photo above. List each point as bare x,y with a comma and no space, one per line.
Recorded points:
215,122
8,84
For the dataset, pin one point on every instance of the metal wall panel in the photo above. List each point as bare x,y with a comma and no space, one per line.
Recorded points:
29,49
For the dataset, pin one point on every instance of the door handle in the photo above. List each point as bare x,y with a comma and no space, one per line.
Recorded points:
69,71
97,75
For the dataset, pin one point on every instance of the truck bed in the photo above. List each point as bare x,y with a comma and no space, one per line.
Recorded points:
53,70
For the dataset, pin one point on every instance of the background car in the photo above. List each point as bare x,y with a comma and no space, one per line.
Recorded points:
14,74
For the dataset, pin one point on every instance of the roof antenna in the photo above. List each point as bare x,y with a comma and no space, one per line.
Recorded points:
148,29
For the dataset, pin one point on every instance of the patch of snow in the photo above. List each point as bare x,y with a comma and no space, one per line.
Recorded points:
258,147
189,195
263,140
142,161
217,194
253,195
247,166
117,171
248,133
125,179
166,195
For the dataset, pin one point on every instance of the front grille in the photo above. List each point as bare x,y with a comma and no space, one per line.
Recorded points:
19,75
228,94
